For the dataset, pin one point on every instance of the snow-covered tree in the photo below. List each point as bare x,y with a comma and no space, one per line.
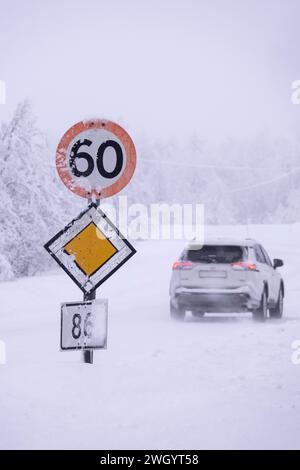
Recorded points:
31,200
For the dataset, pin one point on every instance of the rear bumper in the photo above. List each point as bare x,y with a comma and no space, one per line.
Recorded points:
217,300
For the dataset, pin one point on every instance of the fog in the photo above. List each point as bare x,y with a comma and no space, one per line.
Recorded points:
167,69
204,89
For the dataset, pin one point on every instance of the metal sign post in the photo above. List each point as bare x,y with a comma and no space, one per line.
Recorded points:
88,354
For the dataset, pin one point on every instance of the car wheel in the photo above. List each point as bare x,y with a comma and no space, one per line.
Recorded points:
261,313
197,314
177,313
277,311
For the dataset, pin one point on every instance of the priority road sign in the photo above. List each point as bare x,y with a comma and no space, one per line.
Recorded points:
96,158
90,249
84,325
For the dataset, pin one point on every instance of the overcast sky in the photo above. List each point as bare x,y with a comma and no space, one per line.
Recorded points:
163,68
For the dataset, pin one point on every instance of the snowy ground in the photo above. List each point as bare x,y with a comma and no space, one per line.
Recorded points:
223,382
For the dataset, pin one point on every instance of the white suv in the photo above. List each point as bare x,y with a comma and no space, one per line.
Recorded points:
226,276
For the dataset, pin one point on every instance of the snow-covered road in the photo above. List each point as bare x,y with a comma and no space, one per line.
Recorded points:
220,382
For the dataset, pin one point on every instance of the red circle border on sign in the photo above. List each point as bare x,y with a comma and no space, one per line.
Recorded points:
61,157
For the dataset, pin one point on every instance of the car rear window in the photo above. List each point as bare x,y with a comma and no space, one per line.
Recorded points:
216,254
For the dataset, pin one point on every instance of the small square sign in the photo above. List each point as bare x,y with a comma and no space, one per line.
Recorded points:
84,325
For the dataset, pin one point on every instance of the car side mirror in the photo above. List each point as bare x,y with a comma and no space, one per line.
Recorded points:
277,263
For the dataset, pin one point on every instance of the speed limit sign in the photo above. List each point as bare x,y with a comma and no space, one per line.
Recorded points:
96,158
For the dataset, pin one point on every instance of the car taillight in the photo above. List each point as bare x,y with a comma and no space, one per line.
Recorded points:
182,265
240,265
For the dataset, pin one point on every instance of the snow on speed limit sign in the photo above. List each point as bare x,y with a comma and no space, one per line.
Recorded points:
96,158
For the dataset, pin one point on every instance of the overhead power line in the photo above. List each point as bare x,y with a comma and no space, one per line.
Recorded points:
228,167
266,182
193,165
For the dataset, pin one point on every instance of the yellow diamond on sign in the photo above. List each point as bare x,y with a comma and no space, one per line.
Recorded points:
91,249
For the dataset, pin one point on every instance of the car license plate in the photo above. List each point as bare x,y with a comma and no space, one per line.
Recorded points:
218,274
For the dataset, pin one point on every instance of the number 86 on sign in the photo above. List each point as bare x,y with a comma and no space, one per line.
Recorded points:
84,325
